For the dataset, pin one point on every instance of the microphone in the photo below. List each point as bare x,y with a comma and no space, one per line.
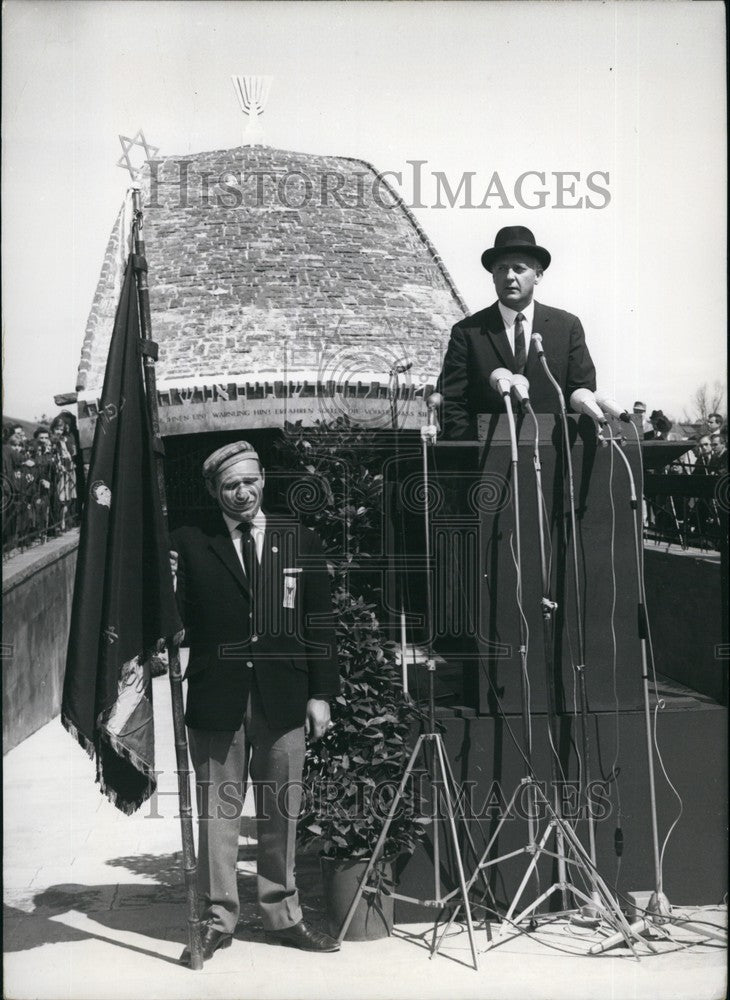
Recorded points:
521,390
433,402
402,368
584,401
430,430
611,407
501,380
536,339
613,939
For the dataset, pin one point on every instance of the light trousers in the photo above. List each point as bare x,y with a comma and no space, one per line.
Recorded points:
223,762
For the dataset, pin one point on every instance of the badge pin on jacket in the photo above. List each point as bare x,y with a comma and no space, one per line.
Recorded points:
290,587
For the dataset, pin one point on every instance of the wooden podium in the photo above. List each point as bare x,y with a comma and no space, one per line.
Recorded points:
475,575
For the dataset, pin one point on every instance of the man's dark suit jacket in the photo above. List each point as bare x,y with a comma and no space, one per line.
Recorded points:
479,344
292,650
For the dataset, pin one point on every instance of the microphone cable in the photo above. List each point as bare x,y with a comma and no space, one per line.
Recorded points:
584,855
523,661
615,771
579,682
459,577
660,703
545,535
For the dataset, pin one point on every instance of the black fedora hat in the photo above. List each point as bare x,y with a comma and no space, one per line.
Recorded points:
663,423
511,239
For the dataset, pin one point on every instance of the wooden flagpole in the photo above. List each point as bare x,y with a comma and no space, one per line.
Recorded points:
149,357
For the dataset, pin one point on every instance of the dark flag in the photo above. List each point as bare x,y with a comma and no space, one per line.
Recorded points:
123,604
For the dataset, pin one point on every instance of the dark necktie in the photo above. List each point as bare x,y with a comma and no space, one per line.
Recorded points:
250,556
520,352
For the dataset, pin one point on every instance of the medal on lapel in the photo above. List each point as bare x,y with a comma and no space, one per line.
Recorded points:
290,587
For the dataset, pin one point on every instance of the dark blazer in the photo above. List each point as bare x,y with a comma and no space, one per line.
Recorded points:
290,649
479,344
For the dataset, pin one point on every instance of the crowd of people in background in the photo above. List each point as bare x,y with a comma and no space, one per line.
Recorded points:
707,439
689,517
42,481
43,476
711,451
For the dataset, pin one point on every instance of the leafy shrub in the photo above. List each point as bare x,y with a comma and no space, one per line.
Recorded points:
352,774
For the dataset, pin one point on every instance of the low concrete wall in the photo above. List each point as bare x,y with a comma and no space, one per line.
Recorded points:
687,614
37,594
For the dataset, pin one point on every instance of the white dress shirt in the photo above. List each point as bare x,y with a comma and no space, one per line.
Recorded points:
258,529
510,315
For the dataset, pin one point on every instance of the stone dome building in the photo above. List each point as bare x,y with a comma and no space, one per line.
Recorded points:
283,286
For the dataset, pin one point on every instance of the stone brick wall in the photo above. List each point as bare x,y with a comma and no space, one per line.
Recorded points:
264,261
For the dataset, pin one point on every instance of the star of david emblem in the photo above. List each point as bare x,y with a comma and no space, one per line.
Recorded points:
125,161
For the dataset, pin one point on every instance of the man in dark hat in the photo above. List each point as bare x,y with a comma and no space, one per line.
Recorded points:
254,596
501,337
661,426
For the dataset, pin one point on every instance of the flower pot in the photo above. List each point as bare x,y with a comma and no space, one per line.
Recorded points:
373,918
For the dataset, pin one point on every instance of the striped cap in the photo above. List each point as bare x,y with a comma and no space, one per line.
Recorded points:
227,455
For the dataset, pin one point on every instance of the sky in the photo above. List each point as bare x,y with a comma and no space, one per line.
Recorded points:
628,96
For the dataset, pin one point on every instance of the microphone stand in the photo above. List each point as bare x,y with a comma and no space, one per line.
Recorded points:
393,393
438,768
600,895
659,909
659,904
548,607
524,691
590,913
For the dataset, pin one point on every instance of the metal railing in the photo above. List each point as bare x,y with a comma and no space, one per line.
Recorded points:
689,511
39,500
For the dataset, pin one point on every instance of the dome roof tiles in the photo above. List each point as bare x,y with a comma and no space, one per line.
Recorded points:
301,255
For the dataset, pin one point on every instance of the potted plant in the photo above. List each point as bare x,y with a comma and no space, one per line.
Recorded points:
353,772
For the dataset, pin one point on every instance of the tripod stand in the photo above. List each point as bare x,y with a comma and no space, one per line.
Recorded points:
569,850
431,745
571,853
659,910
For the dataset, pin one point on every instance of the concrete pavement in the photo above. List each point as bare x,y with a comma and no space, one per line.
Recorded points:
94,908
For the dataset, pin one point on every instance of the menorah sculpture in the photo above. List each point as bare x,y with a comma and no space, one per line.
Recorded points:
252,93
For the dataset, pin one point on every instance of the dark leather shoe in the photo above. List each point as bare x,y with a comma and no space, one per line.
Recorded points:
303,937
212,940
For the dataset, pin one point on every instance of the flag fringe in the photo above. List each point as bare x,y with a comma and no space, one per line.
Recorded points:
82,740
127,806
144,767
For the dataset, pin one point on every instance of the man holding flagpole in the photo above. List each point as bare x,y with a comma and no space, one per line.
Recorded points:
254,596
124,605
